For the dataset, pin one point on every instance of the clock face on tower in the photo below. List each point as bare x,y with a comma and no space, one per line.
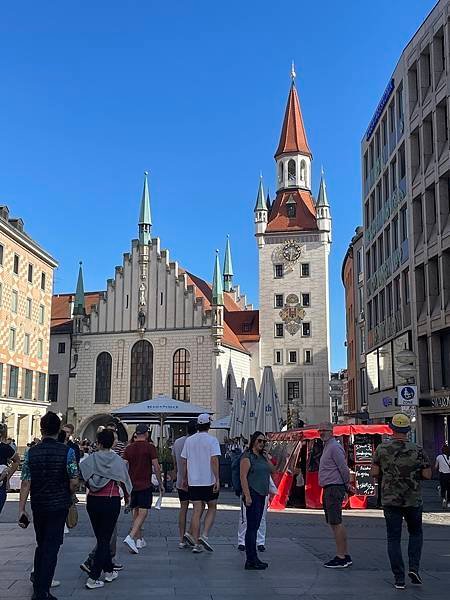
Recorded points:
291,251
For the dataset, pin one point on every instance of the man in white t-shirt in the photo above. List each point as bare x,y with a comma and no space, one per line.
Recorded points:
201,453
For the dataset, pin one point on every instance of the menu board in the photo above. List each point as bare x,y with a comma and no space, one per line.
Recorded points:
363,449
364,482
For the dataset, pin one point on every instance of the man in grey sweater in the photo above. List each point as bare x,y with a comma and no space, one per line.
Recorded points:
334,478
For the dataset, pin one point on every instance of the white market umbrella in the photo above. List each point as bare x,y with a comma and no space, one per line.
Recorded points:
234,416
249,418
241,408
268,414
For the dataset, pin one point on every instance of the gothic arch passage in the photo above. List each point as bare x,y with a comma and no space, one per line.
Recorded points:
103,368
182,375
141,380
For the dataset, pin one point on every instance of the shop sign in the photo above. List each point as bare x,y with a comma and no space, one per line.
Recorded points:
388,401
440,402
407,395
381,106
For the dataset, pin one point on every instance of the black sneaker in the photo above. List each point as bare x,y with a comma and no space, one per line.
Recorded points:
348,558
261,562
254,566
241,547
399,585
86,567
337,563
261,548
415,577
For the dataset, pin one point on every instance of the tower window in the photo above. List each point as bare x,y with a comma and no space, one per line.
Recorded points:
306,300
303,172
279,330
307,357
278,357
304,270
278,271
280,172
292,172
306,329
291,210
279,301
292,354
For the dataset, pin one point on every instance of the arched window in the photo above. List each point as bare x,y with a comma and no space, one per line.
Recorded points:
303,171
228,387
291,170
103,368
280,172
141,386
182,375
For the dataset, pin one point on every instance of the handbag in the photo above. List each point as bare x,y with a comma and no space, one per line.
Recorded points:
72,517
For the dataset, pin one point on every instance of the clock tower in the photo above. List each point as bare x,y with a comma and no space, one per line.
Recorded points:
293,234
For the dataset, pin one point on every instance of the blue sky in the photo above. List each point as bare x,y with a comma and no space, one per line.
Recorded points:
92,94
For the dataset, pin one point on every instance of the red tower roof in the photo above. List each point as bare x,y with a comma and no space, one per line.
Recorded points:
293,135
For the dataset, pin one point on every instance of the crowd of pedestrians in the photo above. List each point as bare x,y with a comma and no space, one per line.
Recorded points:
53,468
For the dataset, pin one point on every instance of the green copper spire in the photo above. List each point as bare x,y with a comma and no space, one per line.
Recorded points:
322,199
217,286
78,305
260,199
145,218
228,268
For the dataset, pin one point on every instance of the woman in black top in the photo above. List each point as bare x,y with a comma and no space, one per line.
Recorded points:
9,461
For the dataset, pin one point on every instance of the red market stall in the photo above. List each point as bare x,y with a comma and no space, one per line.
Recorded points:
297,453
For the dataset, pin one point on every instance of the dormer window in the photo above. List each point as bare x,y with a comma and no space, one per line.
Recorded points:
291,208
292,172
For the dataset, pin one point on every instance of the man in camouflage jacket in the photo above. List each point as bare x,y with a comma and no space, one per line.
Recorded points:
402,465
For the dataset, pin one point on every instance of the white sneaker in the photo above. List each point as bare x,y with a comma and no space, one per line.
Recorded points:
444,504
141,543
66,529
55,583
94,584
131,544
109,577
183,545
197,549
189,539
204,542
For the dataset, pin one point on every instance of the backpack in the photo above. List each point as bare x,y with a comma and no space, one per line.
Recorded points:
236,457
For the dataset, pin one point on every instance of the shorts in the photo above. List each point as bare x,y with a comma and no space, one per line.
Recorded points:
333,497
202,493
141,498
183,495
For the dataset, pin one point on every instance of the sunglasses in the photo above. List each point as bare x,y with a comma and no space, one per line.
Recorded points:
261,441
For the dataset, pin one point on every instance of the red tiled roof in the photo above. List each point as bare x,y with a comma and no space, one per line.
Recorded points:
61,307
293,135
305,219
245,324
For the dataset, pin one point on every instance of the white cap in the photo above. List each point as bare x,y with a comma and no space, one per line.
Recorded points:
203,419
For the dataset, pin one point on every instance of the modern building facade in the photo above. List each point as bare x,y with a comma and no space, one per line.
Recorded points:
26,283
406,207
353,281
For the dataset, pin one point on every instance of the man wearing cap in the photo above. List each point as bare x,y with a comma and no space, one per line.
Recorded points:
201,453
402,466
141,457
334,478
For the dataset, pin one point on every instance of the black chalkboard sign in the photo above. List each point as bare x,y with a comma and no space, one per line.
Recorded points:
363,448
364,482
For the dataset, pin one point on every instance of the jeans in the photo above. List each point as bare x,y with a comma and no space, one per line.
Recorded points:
444,480
2,495
103,513
49,530
394,520
242,527
254,516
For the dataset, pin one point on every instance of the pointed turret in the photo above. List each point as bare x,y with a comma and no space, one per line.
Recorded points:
261,212
217,286
260,200
293,135
323,207
228,268
78,305
145,218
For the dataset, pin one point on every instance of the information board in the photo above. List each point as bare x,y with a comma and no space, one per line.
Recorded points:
364,482
363,449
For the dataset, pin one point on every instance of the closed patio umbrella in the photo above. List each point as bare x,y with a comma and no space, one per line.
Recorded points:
249,418
268,413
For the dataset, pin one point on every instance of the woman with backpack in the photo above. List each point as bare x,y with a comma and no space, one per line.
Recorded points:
255,471
442,465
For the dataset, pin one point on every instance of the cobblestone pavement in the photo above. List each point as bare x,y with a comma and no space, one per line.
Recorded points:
298,543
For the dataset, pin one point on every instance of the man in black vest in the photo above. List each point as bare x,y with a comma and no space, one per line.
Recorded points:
50,473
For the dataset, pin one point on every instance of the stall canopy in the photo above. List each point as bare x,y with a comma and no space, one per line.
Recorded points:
161,410
310,433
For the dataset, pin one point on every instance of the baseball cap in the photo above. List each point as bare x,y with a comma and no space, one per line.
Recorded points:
400,423
203,419
141,428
